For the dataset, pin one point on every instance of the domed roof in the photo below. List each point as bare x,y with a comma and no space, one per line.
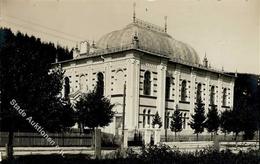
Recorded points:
150,37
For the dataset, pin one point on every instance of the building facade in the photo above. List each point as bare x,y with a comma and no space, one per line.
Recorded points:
161,75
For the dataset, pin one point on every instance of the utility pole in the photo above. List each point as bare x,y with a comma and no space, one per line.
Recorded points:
123,121
258,121
165,125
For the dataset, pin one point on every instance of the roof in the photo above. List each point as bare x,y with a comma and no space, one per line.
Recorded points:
152,38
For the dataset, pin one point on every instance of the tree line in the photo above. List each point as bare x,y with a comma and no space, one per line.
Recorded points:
28,77
243,117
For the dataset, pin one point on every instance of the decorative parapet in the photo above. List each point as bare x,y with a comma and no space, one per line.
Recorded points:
156,52
148,25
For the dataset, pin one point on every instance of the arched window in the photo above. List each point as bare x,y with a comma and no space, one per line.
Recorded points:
66,87
183,90
100,83
224,102
119,82
147,83
212,95
148,117
199,92
167,87
144,118
82,83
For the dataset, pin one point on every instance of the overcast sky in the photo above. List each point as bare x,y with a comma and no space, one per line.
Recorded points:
227,30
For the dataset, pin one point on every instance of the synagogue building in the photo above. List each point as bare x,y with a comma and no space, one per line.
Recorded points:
161,75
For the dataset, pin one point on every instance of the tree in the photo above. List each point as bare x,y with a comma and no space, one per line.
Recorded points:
249,123
225,121
212,122
94,110
25,78
245,101
157,120
198,118
231,121
176,122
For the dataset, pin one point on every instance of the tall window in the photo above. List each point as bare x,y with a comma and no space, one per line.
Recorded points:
119,82
147,83
167,120
82,84
100,83
66,87
167,87
199,92
212,95
224,103
144,112
148,117
183,90
184,120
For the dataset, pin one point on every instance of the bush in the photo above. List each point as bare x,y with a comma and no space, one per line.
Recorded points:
118,154
108,140
161,154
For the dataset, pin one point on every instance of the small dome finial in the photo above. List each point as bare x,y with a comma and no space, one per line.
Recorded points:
134,12
205,61
165,24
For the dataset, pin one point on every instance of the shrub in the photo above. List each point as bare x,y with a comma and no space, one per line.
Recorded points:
161,154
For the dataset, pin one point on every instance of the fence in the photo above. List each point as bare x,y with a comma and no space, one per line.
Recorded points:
35,139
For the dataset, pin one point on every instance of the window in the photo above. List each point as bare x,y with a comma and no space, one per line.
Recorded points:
82,81
167,87
183,90
147,83
224,102
148,117
66,87
199,92
144,118
119,82
167,120
184,120
100,83
212,95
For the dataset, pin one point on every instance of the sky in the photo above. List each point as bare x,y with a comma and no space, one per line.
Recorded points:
228,31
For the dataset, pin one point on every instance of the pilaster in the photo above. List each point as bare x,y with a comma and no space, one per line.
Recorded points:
108,79
232,93
220,90
177,75
132,93
193,91
161,69
206,102
73,78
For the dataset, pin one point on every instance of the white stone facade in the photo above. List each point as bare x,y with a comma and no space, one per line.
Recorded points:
129,64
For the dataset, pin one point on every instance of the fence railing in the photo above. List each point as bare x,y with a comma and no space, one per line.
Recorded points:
35,139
